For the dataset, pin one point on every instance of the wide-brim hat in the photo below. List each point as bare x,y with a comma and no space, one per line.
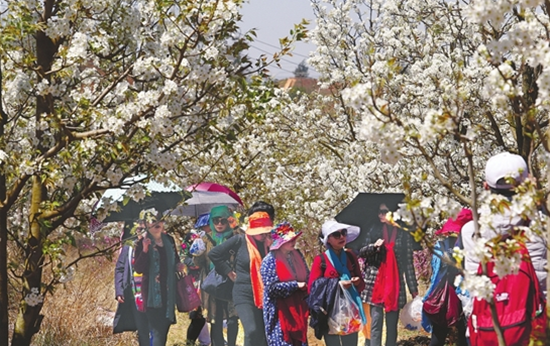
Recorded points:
332,226
283,234
259,223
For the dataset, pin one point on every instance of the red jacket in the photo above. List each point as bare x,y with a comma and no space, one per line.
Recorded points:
329,272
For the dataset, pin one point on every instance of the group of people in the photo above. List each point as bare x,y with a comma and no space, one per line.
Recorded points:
274,291
272,282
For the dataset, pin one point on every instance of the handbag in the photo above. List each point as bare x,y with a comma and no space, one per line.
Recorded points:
218,286
443,307
187,298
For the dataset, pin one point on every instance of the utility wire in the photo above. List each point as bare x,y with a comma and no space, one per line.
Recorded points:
282,59
278,48
274,46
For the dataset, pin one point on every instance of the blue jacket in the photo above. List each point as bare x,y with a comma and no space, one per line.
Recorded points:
321,297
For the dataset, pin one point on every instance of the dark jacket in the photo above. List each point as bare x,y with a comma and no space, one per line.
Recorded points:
321,297
141,265
124,315
221,257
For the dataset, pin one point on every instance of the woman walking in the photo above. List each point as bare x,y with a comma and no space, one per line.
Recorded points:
284,273
156,258
339,264
389,256
249,250
220,310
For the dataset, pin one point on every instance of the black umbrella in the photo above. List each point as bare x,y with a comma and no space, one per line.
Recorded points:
161,201
363,212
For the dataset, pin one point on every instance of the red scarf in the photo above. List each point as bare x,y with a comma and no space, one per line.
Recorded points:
386,285
293,311
255,278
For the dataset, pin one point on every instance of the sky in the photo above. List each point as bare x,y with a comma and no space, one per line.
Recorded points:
273,19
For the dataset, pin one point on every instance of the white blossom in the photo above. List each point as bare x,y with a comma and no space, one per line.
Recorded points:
34,298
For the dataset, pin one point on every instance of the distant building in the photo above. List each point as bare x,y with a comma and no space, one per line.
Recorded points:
301,71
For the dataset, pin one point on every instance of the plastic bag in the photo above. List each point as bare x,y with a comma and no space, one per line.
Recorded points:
411,315
197,247
345,317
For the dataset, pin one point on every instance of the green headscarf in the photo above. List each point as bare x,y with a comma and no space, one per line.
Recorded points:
223,212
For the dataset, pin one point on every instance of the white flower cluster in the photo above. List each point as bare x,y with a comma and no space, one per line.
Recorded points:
67,275
479,286
79,47
34,298
507,264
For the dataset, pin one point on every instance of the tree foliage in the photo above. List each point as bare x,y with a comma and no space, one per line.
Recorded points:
93,92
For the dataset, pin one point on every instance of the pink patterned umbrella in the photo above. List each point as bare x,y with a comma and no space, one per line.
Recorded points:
213,187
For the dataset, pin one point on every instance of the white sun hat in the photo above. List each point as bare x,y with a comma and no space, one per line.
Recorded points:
332,226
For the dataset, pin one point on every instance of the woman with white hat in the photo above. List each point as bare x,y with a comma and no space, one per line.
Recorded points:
249,250
339,264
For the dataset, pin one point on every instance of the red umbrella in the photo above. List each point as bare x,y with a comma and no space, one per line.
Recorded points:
213,187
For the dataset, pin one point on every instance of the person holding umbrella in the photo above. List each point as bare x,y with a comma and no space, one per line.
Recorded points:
156,258
198,328
388,254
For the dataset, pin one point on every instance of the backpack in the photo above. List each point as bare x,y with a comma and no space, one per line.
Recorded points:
516,301
442,306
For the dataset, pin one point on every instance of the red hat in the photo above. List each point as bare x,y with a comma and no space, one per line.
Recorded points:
259,223
453,226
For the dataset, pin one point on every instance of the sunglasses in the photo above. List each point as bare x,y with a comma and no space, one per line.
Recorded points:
339,234
383,211
219,220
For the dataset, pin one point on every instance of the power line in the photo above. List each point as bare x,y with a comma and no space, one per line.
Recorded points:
274,46
282,59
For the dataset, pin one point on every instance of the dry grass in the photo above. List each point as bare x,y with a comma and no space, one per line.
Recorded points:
81,312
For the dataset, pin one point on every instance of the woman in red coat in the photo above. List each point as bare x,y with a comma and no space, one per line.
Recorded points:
338,263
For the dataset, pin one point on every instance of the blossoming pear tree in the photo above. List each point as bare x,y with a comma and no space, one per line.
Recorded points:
94,92
441,86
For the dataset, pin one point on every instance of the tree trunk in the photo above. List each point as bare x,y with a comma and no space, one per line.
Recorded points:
4,303
29,318
469,156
